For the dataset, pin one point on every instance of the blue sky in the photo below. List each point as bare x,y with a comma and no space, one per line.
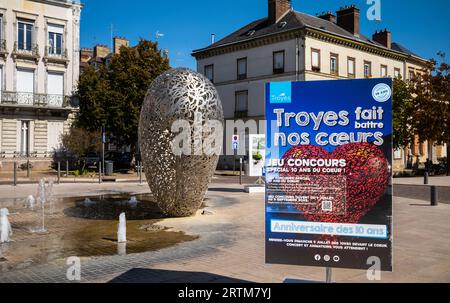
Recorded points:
422,26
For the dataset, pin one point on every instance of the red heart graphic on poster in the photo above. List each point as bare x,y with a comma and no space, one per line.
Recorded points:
366,176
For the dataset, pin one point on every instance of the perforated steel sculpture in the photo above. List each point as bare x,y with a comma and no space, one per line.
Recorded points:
178,182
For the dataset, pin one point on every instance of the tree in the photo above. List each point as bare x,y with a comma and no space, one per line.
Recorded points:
431,107
402,114
112,95
79,142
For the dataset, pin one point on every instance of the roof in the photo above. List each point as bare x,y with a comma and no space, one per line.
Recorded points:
292,21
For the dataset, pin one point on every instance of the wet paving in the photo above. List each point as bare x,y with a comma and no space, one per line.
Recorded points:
84,227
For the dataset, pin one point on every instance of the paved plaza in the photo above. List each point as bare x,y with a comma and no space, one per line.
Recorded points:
230,243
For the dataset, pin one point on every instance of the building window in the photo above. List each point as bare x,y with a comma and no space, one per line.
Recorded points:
383,71
55,39
315,60
411,74
25,86
241,107
351,63
25,138
55,89
397,73
24,35
209,72
397,154
334,64
242,68
1,32
367,69
278,62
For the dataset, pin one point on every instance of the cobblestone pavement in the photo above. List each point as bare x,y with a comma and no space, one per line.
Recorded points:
230,246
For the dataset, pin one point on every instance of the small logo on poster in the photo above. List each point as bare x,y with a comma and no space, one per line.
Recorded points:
381,92
280,92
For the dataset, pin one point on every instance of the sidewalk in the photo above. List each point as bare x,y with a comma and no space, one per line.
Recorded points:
437,181
231,245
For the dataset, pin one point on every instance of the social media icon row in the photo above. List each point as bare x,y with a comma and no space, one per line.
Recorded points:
327,258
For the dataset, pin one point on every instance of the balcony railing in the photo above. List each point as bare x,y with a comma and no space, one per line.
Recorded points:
35,100
56,55
26,51
3,47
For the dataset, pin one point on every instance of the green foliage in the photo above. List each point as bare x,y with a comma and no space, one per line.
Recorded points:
431,104
422,106
402,114
112,95
80,141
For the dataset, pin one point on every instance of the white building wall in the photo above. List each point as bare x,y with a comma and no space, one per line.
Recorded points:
259,72
344,52
41,13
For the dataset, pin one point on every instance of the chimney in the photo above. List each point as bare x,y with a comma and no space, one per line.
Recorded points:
277,9
348,19
329,16
86,54
118,43
383,37
101,51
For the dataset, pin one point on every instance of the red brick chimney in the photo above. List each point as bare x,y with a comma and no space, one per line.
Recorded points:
348,19
383,37
277,9
329,16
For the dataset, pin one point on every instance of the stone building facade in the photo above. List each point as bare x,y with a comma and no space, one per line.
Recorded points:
39,71
292,46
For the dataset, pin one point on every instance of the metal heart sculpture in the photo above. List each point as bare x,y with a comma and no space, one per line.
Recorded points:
178,182
367,178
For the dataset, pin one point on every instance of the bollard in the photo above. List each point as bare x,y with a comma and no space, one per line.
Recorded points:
140,172
99,173
425,178
15,174
240,171
67,168
434,196
28,168
59,172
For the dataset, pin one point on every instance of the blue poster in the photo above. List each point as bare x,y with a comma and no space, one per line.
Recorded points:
329,173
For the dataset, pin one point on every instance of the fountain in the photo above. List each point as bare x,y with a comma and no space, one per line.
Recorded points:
49,196
42,200
88,202
122,230
122,249
5,226
133,202
30,202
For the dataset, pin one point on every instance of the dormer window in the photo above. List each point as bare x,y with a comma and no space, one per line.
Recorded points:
251,33
282,24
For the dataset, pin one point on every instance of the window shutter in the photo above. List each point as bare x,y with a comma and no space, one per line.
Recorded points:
54,28
351,67
315,59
